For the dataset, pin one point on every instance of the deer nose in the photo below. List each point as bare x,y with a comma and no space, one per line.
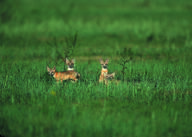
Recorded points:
71,66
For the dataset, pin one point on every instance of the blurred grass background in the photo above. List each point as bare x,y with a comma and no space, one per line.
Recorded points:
150,28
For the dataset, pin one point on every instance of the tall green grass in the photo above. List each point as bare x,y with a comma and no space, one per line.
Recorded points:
154,100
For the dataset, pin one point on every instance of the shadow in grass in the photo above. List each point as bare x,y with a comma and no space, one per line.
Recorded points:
46,78
4,127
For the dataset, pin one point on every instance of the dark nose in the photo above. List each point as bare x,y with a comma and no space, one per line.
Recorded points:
104,66
71,66
51,73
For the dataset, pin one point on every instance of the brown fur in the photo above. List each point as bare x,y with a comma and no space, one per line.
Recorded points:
105,77
102,76
104,70
66,75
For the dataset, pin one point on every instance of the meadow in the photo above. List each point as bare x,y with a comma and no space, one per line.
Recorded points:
153,97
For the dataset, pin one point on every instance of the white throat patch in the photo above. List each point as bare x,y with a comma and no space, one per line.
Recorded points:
70,69
104,69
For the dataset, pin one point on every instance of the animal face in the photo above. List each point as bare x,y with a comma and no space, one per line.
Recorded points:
51,71
109,76
104,63
70,64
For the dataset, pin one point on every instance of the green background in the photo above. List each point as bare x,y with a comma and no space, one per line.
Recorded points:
155,98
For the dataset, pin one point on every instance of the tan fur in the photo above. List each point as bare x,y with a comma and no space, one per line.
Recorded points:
103,74
66,75
105,77
70,64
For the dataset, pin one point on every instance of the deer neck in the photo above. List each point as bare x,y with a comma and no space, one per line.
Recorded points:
55,74
104,71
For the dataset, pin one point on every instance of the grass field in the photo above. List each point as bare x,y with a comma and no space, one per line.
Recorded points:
153,100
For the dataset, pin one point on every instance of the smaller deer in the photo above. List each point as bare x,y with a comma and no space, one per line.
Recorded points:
70,64
105,77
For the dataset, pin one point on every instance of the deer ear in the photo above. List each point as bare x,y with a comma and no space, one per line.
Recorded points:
73,61
54,68
101,61
67,61
106,61
48,69
113,74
